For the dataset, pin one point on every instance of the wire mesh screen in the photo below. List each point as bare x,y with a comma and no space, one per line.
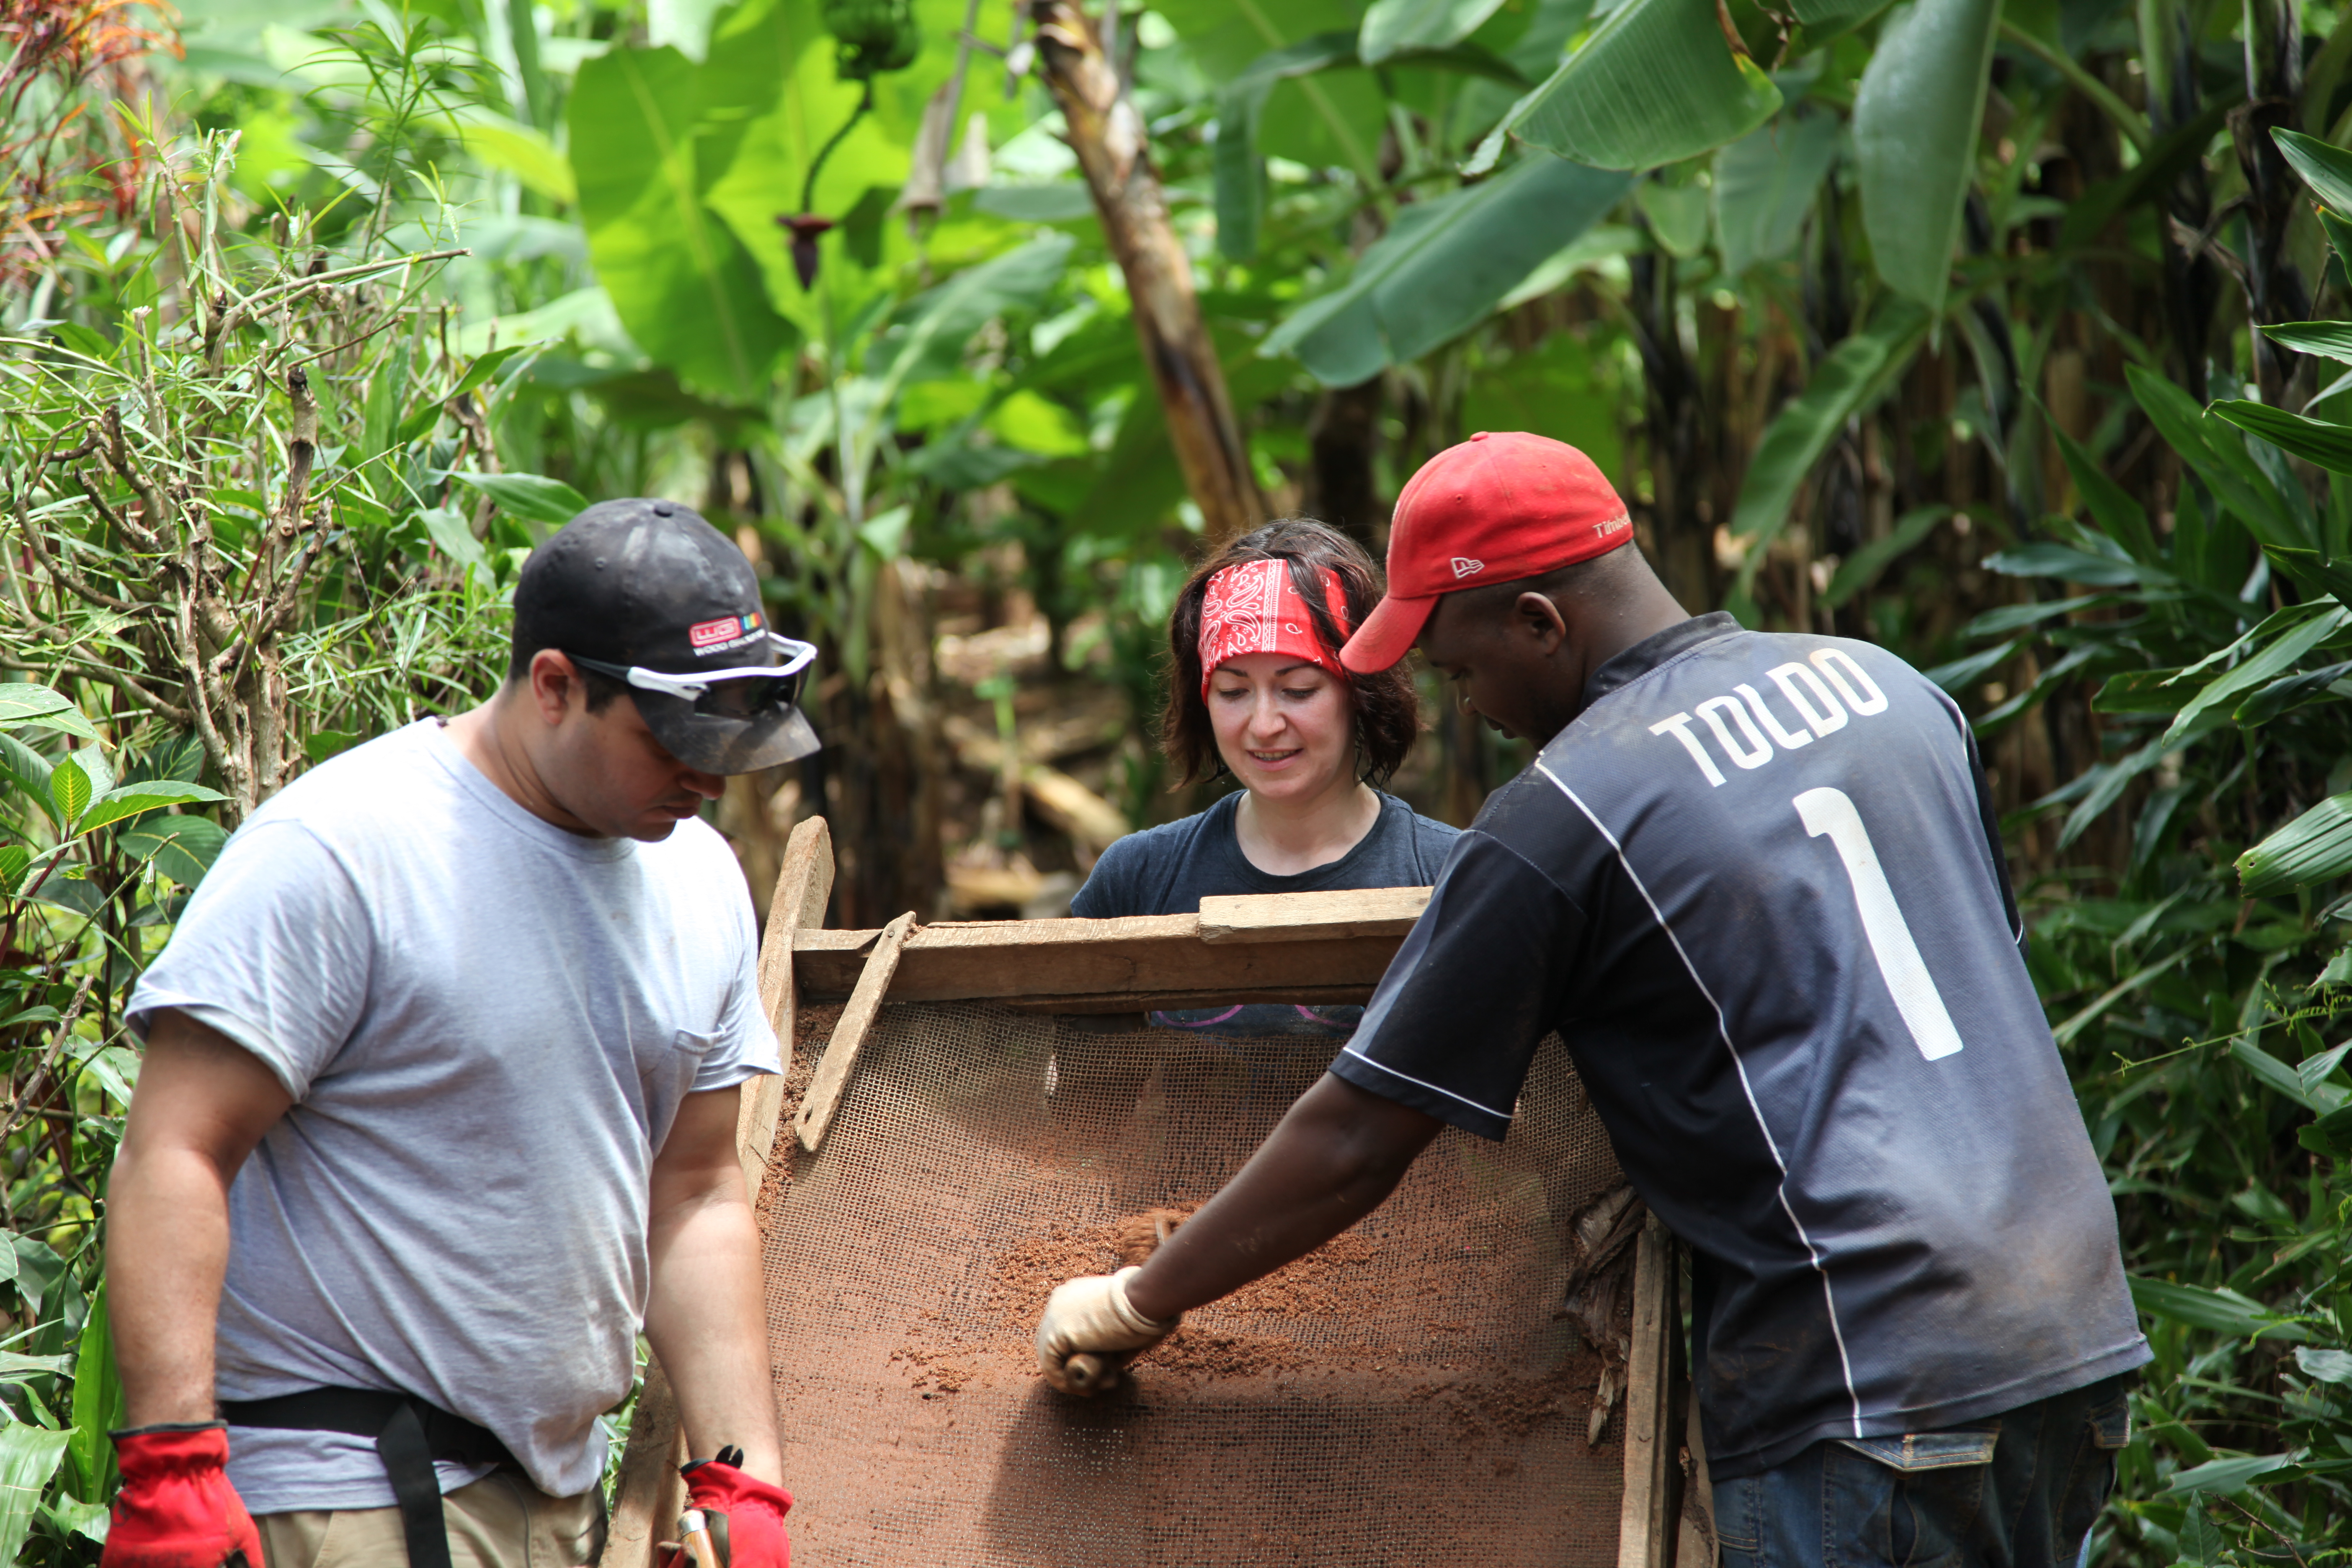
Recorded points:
1413,1395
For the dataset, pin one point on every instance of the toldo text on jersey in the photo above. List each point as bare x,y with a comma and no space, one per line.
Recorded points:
1826,691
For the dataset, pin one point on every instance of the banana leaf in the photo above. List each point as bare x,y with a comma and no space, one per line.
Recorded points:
1915,116
687,289
1393,27
1853,376
1655,83
1239,170
1765,184
1443,267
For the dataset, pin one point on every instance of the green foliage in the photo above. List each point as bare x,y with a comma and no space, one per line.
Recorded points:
685,287
1764,184
2197,1000
1655,83
1398,26
84,890
1914,122
956,406
1856,373
1446,264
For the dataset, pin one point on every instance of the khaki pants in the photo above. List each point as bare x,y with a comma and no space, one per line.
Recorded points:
499,1521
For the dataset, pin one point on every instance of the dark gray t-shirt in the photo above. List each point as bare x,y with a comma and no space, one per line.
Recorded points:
1168,869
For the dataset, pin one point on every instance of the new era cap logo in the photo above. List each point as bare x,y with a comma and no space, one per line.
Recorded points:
1463,566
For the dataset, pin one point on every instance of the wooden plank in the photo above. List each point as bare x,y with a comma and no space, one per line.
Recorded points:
1305,917
803,886
850,1035
1645,1520
651,1494
1081,1002
1135,955
1695,1543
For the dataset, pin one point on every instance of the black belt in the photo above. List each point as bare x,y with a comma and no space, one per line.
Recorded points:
409,1434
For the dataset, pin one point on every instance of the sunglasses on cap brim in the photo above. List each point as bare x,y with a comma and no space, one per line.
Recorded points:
745,692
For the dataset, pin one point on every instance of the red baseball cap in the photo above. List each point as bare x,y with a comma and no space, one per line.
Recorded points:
1497,508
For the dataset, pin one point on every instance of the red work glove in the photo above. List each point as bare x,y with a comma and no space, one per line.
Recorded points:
744,1515
176,1509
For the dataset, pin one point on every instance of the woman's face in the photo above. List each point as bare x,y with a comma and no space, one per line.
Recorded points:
1284,726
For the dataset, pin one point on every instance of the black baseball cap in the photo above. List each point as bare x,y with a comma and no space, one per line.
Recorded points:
648,593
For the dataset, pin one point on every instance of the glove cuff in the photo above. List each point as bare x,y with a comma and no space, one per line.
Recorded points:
171,1447
1125,1311
717,1485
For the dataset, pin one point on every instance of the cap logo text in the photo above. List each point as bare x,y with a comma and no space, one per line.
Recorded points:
1605,528
1463,566
720,633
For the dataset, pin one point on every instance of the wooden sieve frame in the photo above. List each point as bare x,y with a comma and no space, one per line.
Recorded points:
1326,948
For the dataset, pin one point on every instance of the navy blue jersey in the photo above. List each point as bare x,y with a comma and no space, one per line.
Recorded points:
1757,888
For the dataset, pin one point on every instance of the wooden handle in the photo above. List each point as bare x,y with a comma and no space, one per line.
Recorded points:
1089,1373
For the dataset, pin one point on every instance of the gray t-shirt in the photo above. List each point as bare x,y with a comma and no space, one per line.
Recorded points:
486,1025
1168,869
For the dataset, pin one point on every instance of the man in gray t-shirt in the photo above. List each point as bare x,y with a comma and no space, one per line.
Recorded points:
439,1105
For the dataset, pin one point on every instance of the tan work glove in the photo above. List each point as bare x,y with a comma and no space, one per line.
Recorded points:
1090,1331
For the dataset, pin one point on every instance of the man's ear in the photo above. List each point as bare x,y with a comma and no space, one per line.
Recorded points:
1537,616
554,685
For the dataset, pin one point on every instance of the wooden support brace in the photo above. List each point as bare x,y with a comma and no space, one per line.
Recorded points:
652,1494
803,886
1695,1543
850,1035
1647,1522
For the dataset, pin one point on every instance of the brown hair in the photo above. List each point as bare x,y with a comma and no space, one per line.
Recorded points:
1387,712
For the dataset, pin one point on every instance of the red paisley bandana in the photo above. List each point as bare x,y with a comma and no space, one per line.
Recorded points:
1250,607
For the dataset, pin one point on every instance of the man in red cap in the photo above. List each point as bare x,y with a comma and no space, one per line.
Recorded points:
1756,886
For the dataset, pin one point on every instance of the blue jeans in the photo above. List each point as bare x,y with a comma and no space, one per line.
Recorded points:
2021,1489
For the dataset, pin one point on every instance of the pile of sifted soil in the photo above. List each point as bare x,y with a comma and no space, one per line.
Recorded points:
1138,1235
935,1372
1336,1281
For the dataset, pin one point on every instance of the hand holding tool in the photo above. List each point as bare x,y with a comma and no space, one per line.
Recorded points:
176,1509
733,1520
1090,1331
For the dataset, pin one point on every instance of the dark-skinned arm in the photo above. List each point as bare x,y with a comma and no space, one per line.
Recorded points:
1334,1159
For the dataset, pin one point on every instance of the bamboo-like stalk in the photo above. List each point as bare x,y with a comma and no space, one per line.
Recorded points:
1107,135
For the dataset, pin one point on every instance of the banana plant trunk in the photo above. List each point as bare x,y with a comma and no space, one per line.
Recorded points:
1107,135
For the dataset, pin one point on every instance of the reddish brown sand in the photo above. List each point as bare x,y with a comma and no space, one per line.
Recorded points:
1397,1400
1339,1281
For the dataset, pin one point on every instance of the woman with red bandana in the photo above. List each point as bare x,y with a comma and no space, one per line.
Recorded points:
1256,690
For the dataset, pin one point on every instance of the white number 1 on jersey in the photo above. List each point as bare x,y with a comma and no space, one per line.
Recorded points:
1828,812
